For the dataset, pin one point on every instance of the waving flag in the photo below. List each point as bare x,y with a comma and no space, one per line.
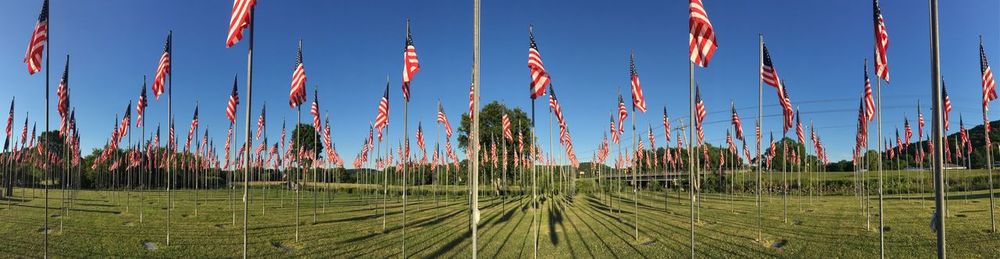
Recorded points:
799,131
261,121
297,95
443,120
737,123
700,113
701,35
191,132
666,125
123,128
234,100
869,98
614,132
907,132
382,118
420,138
947,104
163,68
240,19
10,119
410,63
62,107
881,44
920,122
140,106
638,100
39,38
539,77
989,85
314,110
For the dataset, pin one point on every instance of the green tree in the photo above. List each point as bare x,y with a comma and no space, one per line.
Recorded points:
491,126
305,137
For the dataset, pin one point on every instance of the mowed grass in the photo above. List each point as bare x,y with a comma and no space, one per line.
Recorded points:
586,225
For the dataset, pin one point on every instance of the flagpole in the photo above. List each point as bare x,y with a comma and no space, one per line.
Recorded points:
635,168
246,131
48,47
989,155
881,210
692,167
475,131
170,120
937,131
760,118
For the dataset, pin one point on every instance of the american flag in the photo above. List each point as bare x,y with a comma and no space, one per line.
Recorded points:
539,77
410,63
614,131
920,122
881,44
652,139
555,107
907,131
786,105
261,121
989,85
420,137
622,114
163,68
443,119
314,110
869,99
472,101
506,127
234,100
123,128
240,19
382,118
799,131
39,38
226,147
947,104
638,100
62,107
666,125
10,119
173,140
767,72
297,95
759,136
746,151
737,123
700,113
191,132
140,106
701,36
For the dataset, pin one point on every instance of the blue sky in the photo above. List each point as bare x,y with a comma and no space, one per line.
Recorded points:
350,47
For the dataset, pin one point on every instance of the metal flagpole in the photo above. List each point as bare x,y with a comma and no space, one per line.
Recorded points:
170,120
937,131
760,118
881,210
45,161
692,167
989,158
246,132
475,131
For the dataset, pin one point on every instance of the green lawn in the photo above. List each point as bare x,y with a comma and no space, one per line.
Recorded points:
350,225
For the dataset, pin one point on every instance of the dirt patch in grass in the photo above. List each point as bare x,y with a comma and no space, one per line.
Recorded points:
961,215
649,243
149,245
55,216
779,244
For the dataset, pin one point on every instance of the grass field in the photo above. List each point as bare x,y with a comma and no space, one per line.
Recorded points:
350,225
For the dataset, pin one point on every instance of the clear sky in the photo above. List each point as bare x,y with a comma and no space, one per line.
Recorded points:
350,47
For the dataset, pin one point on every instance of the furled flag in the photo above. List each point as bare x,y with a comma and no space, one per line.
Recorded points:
126,121
701,36
62,107
261,121
234,100
443,120
10,119
989,85
907,132
869,99
314,110
505,120
614,132
39,38
920,122
229,138
410,63
140,106
737,123
472,100
666,125
382,117
297,94
700,113
163,68
881,44
799,131
622,114
652,139
240,19
638,100
420,138
947,105
191,132
539,77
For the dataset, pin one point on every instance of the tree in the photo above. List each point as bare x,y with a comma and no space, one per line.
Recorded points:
308,142
491,127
